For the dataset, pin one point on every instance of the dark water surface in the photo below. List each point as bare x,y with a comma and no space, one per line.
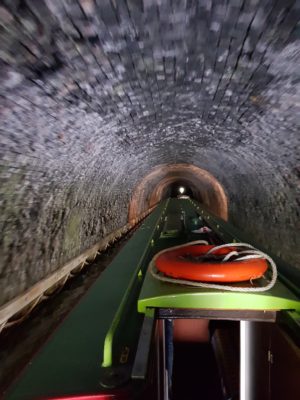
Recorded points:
19,343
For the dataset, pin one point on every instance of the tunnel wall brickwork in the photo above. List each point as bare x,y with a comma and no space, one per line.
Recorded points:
95,93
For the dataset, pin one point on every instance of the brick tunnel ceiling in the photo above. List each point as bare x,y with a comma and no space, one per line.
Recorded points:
95,94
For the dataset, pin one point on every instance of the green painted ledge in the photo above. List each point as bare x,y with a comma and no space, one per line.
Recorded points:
158,294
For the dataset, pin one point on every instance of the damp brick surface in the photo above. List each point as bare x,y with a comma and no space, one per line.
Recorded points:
96,93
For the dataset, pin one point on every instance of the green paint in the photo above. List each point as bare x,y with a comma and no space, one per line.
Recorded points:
70,361
106,320
160,295
109,339
165,295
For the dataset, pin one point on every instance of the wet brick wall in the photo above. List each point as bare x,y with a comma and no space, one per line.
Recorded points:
96,93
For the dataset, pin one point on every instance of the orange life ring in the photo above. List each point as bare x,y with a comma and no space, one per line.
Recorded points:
179,263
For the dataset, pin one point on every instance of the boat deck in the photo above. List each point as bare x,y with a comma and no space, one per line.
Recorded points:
95,346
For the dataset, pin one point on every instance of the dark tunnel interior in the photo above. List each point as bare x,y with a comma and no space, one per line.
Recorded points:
107,105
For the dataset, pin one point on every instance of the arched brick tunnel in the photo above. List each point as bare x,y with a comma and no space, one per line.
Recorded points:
156,185
105,104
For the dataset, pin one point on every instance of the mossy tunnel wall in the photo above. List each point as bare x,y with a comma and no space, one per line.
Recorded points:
98,95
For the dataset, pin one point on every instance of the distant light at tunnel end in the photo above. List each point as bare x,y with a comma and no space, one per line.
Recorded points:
181,189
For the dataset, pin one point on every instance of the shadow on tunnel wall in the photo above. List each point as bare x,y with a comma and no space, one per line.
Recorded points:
156,186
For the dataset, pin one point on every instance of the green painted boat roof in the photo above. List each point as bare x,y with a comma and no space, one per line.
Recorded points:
159,294
108,318
70,361
167,295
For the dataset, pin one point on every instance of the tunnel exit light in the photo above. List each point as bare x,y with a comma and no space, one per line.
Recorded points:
181,189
